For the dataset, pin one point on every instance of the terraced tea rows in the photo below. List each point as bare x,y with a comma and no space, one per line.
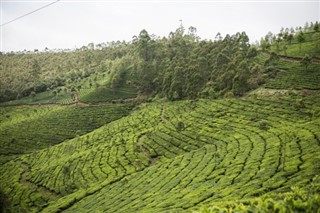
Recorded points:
296,77
46,97
293,75
236,163
174,157
295,48
24,129
107,94
103,155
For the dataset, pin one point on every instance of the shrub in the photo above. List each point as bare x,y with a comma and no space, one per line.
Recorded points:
4,203
299,104
263,125
180,126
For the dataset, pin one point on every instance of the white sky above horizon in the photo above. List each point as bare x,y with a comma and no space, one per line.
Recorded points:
72,24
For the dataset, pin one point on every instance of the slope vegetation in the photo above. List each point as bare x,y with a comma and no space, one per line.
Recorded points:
74,148
284,74
174,157
27,129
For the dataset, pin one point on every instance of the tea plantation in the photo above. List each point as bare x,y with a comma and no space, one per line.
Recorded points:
291,74
26,129
173,157
167,125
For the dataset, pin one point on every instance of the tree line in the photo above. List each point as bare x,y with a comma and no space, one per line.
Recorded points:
178,66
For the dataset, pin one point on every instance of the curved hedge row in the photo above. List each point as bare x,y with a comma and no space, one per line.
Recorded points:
175,156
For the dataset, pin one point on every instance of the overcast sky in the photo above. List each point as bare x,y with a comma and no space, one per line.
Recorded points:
71,24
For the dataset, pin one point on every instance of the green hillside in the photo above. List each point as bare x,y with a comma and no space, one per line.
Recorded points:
84,90
24,130
174,156
284,74
294,43
177,124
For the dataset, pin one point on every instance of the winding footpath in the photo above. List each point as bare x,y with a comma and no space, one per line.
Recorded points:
293,59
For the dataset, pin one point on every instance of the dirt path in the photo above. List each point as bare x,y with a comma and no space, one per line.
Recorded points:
78,103
163,114
294,59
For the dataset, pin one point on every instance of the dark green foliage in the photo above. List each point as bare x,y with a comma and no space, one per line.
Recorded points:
301,39
24,72
263,125
4,203
180,126
306,61
316,26
299,104
179,66
296,44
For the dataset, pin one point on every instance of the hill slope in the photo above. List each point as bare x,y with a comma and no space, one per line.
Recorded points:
175,157
27,129
253,150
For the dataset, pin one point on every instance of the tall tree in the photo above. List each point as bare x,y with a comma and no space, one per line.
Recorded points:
306,61
301,39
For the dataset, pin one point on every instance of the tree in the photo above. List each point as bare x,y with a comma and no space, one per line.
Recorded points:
284,47
301,39
306,26
316,37
306,61
316,27
244,42
277,44
4,202
36,69
192,34
218,37
240,81
290,38
143,45
221,60
55,93
270,64
252,52
180,126
264,44
33,95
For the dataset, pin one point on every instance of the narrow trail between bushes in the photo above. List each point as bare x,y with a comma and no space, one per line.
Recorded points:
78,103
294,59
163,115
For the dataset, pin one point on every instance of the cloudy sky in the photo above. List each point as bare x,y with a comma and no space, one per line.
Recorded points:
72,24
